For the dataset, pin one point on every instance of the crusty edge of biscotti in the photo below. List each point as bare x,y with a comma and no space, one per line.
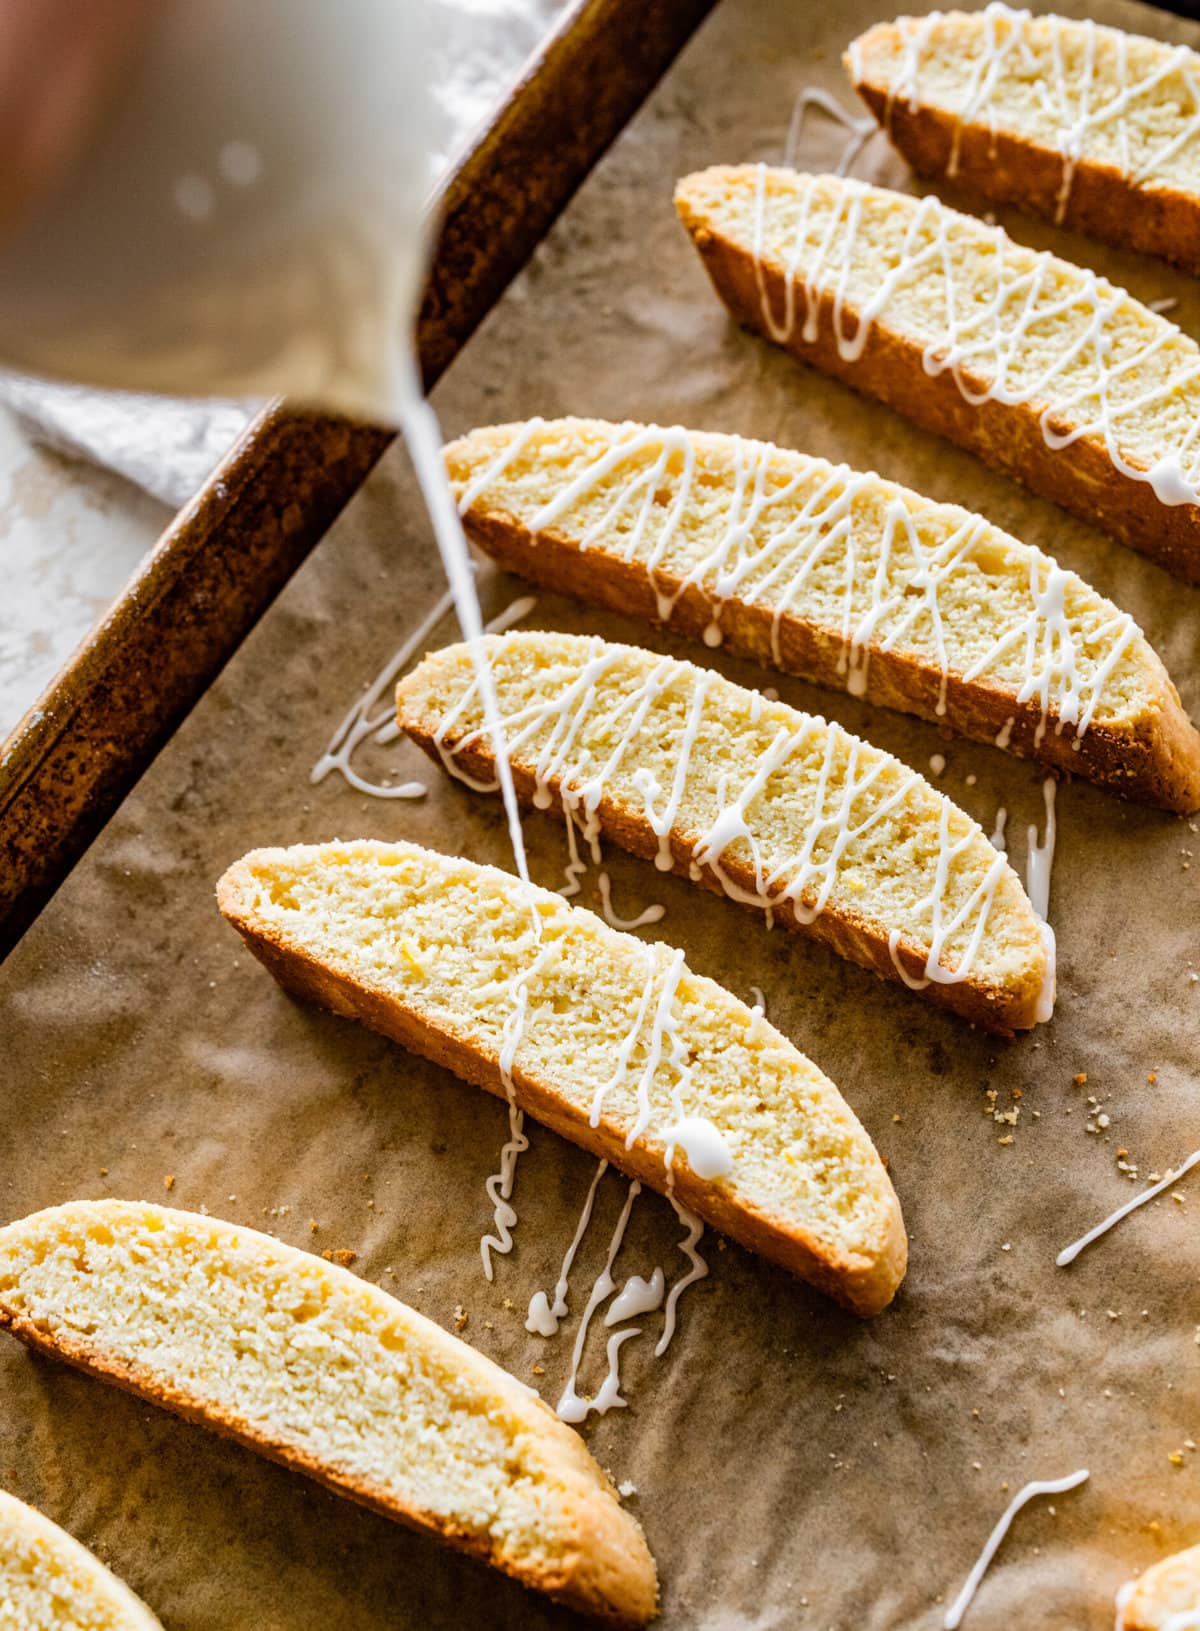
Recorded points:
1143,1610
1155,760
629,1600
1002,1010
1080,476
1006,167
111,1598
864,1283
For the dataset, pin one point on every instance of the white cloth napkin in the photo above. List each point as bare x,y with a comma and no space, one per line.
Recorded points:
165,445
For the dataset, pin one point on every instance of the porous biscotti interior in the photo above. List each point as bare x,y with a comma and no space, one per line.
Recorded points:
49,1582
286,1346
456,943
1062,336
819,542
896,853
1040,76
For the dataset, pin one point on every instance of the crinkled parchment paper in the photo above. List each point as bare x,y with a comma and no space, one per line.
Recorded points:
793,1467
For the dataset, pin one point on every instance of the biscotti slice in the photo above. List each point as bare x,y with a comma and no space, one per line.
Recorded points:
306,1363
840,577
49,1582
1166,1598
777,809
1043,369
612,1042
1086,126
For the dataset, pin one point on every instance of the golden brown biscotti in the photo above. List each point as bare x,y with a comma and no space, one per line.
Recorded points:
49,1582
1089,127
1046,371
1165,1598
612,1042
779,810
837,576
304,1362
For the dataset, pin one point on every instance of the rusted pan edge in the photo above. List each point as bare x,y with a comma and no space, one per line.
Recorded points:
221,562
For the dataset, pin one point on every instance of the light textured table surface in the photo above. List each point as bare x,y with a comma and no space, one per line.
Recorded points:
71,534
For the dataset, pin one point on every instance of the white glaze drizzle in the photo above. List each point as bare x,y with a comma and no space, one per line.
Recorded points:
1070,1253
1053,1486
760,1002
859,130
653,913
571,1407
656,1025
586,824
424,441
544,1316
983,338
805,879
697,1269
639,1297
1039,865
1077,105
998,830
1039,860
365,719
499,1185
707,1152
760,558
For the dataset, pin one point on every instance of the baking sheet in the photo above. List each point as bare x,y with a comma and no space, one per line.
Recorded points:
792,1466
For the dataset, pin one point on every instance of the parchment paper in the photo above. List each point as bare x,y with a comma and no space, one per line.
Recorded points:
793,1467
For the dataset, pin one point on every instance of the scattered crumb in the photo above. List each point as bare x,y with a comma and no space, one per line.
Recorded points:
626,1488
1176,1458
104,1172
313,1226
460,1317
897,1116
538,1370
1081,1078
1152,1078
508,1303
343,1256
169,1182
1007,1247
1006,1140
